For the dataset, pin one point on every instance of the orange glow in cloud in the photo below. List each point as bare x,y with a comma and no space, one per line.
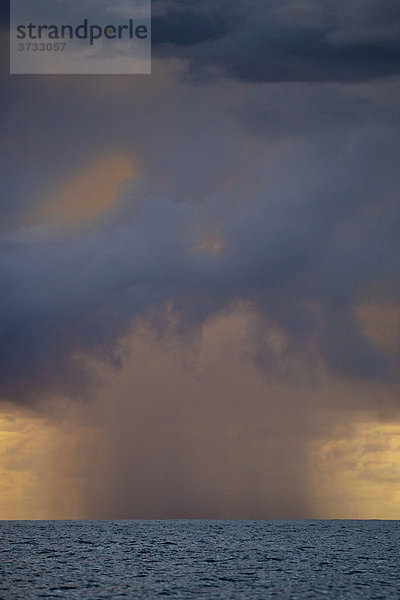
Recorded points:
211,244
381,322
87,194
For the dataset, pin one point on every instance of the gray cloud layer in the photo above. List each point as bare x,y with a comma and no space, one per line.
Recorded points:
320,226
283,41
299,180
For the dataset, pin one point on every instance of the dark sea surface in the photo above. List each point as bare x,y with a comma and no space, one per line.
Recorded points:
199,559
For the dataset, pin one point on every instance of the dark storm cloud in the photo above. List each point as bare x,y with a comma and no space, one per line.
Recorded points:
284,41
62,298
52,306
299,181
192,23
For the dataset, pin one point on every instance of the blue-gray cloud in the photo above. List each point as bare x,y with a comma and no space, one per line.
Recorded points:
283,41
301,182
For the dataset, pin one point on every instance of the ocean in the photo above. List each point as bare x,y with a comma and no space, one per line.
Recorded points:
199,559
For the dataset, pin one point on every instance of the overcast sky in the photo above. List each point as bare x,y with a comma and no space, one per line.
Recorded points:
205,261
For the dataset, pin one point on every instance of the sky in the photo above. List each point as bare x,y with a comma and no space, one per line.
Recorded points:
200,271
